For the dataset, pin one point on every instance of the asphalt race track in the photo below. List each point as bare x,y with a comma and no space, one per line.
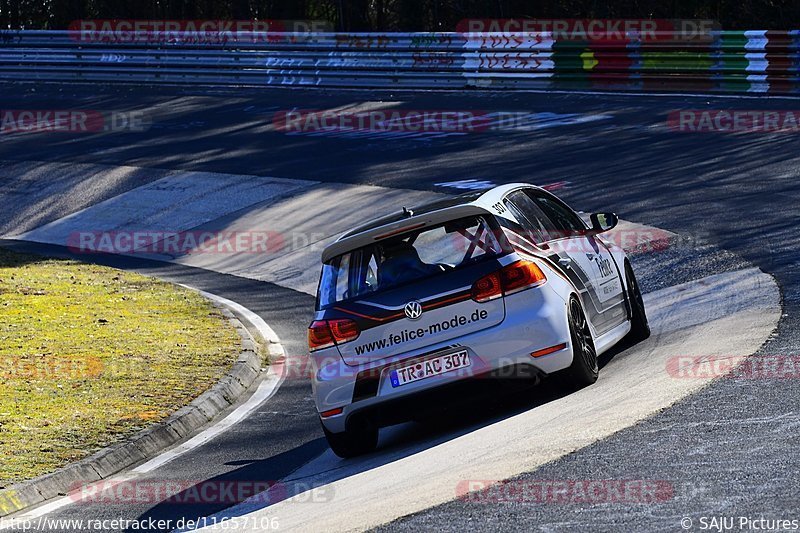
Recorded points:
728,448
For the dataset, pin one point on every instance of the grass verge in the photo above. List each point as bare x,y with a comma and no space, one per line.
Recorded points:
90,355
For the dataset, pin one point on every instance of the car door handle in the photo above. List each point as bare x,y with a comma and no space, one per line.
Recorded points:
565,262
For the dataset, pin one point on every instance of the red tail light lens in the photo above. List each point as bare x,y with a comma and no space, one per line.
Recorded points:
319,335
487,288
326,333
344,330
520,276
512,278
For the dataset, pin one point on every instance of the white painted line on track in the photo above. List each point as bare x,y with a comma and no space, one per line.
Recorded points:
265,390
257,322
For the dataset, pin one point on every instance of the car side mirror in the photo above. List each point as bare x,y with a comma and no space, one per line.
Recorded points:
602,222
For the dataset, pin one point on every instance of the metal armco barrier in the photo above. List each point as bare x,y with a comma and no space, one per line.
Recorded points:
756,61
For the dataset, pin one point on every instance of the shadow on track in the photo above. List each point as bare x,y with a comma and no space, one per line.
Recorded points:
488,401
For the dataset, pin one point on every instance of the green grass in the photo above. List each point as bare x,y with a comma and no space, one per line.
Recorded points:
90,355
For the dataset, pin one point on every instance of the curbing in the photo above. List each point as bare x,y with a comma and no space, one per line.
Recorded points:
149,442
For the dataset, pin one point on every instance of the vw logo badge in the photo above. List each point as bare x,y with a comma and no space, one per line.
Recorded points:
413,309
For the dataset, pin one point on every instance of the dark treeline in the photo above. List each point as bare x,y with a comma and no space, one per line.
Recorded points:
398,15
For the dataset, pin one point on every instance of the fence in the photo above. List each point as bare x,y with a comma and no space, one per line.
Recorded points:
722,61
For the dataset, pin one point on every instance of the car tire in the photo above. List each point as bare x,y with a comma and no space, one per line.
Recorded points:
640,328
352,442
584,368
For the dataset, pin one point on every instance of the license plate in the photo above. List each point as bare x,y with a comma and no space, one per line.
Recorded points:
430,367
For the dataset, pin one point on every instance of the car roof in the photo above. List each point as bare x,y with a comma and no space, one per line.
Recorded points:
439,211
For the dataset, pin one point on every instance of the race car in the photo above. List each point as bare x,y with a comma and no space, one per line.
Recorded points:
422,299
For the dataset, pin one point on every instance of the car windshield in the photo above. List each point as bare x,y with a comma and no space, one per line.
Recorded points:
407,258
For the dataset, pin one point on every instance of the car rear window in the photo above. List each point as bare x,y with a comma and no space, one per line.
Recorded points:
406,258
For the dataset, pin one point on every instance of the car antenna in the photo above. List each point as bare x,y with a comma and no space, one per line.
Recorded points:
407,212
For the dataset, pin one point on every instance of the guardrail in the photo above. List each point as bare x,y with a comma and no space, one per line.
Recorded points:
728,61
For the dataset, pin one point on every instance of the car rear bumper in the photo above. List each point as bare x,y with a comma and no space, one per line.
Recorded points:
445,397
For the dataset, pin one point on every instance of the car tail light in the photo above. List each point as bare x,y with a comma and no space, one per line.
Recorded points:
487,288
326,333
512,278
332,412
343,329
520,276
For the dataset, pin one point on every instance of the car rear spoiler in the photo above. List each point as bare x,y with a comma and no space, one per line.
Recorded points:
411,223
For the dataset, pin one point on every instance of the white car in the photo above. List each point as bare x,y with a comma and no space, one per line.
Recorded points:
425,298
